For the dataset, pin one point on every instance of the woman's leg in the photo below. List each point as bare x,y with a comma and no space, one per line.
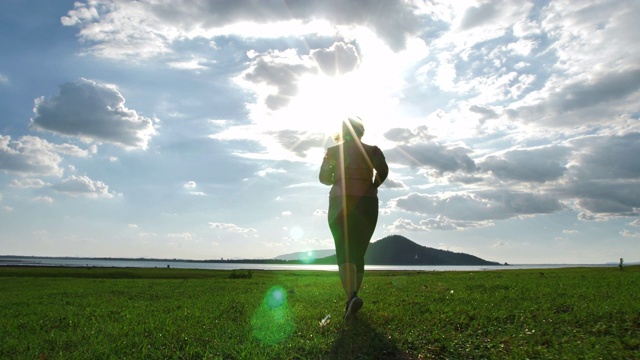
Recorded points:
365,218
352,221
349,278
338,223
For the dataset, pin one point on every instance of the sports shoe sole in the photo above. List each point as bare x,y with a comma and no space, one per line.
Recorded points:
354,306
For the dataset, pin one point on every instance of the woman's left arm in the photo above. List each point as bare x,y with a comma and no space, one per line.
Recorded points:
381,167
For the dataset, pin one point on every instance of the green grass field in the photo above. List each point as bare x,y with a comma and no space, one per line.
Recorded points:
66,313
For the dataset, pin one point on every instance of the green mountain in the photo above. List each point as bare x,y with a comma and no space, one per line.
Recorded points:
398,250
306,255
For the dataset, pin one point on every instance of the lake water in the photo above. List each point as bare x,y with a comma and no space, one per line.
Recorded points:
136,263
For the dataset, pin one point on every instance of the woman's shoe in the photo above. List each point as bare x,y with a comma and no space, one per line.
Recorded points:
353,306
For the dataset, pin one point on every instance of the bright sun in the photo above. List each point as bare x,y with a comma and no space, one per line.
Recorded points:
323,102
371,91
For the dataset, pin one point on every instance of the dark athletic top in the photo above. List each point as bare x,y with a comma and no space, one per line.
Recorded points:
349,168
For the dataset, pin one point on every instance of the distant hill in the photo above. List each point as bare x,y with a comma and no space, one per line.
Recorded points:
306,255
398,250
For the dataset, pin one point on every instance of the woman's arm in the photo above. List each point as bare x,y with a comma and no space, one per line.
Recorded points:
327,170
381,167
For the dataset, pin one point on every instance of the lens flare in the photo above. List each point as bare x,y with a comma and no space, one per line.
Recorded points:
273,321
307,257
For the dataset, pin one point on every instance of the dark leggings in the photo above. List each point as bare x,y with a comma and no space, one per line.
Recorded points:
352,221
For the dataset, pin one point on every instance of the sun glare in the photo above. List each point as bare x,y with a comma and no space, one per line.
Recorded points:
323,102
371,91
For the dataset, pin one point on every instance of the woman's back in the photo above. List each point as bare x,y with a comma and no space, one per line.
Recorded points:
352,164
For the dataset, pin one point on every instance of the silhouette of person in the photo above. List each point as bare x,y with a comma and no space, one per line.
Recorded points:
354,170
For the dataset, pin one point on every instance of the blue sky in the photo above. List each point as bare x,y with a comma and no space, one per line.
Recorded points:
196,129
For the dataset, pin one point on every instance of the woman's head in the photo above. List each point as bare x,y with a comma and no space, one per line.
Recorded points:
352,128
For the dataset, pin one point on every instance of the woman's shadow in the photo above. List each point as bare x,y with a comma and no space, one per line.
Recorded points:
360,340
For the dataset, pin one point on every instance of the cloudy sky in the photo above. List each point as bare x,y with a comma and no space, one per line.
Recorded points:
195,129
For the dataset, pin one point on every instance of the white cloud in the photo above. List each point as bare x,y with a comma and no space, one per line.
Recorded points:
195,64
579,28
523,47
405,136
607,157
394,184
274,76
405,225
4,80
120,29
265,172
600,99
43,199
191,186
432,155
297,142
338,59
231,228
83,186
632,234
475,24
27,183
605,197
559,62
81,13
145,29
604,176
93,112
502,244
34,156
441,223
530,165
479,205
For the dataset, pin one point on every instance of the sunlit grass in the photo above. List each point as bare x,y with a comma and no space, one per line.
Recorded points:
54,313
